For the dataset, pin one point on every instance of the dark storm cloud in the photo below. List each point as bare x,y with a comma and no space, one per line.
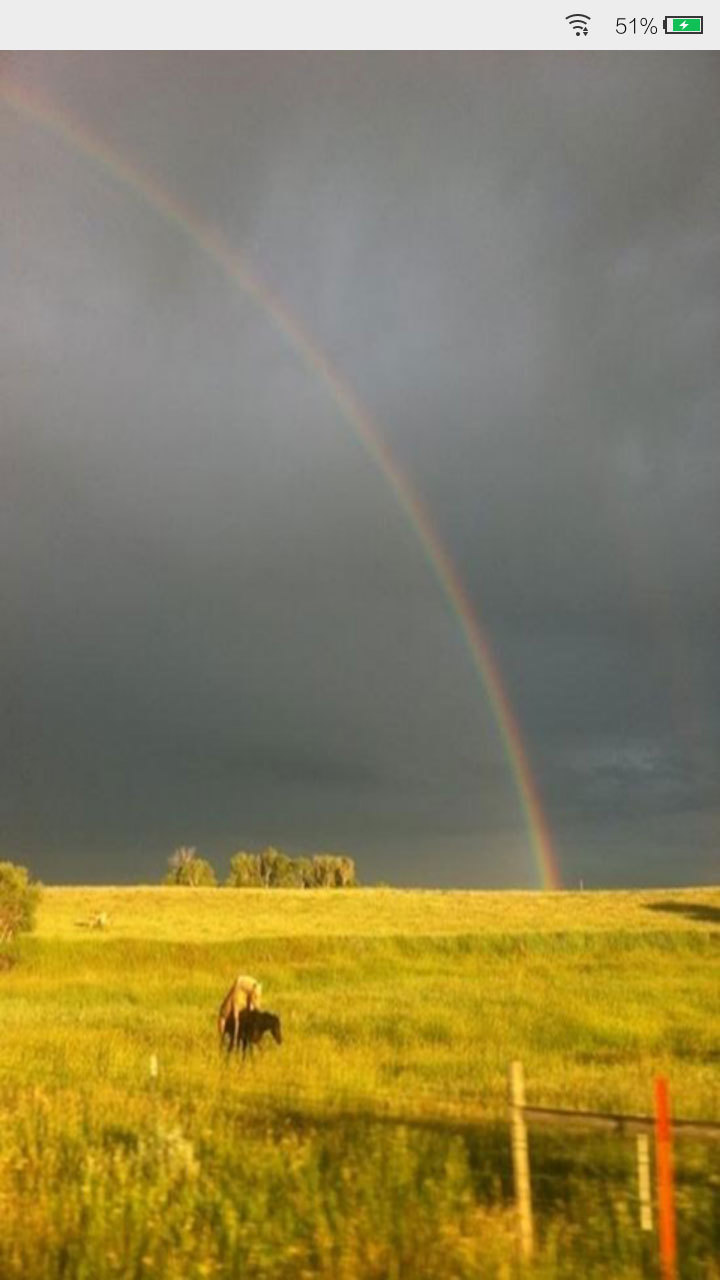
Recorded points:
221,628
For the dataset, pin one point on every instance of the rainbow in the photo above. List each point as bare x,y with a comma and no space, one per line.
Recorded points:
213,244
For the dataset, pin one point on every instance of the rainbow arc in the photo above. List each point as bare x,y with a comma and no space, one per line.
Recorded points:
209,240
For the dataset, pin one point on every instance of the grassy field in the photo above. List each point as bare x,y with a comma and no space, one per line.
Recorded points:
374,1142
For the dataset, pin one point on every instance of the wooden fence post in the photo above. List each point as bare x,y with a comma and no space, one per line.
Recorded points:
521,1160
666,1205
643,1162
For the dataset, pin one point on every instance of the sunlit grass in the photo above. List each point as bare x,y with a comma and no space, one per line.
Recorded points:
215,915
374,1142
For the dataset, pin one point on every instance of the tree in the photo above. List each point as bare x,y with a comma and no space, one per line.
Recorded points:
283,872
303,873
18,901
245,871
323,871
333,871
273,869
185,867
269,859
345,876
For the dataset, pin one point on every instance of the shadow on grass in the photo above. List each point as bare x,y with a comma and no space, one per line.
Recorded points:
565,1170
702,911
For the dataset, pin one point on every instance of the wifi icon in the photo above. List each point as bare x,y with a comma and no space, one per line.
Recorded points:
578,22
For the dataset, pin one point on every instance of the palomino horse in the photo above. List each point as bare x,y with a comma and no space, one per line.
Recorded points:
244,993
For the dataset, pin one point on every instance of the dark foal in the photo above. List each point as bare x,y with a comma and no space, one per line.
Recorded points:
250,1027
254,1024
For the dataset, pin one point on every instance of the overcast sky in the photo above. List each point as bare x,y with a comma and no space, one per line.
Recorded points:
219,627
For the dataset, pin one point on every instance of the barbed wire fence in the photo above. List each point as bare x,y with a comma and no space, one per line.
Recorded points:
660,1125
654,1147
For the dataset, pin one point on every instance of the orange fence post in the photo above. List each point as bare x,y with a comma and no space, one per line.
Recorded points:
666,1202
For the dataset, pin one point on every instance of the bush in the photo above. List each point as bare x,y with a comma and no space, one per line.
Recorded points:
185,867
18,901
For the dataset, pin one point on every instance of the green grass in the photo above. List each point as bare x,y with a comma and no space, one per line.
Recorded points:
374,1142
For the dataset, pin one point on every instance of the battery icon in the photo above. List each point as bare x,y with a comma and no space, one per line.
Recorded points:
683,26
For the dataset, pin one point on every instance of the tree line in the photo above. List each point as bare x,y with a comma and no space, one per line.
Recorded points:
269,869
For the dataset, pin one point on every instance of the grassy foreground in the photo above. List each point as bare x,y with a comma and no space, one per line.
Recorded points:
374,1142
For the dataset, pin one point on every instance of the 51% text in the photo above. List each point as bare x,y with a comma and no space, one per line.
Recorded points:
636,26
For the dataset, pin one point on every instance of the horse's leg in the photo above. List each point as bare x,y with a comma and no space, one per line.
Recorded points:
232,1036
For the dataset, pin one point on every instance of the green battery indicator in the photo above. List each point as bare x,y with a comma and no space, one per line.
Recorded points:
683,26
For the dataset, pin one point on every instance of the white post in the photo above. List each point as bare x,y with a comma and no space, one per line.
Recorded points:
521,1160
643,1161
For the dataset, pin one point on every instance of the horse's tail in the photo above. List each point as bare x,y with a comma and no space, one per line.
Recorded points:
226,1008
